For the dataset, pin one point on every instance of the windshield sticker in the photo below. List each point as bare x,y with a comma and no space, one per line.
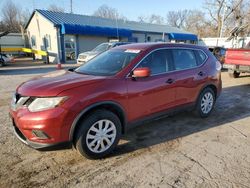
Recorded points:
132,51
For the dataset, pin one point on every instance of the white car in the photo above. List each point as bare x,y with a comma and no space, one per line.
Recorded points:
86,56
4,59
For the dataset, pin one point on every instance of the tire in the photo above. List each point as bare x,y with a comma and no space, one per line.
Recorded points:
2,63
88,138
205,103
234,74
72,56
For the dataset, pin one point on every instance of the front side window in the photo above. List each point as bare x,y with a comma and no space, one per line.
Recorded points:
108,63
184,59
158,62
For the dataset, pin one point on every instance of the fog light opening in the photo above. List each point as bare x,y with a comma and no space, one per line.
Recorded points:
40,134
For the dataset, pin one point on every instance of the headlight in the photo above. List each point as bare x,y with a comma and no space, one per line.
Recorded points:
40,104
90,57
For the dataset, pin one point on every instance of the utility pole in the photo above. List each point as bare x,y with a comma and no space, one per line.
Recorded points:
71,7
223,17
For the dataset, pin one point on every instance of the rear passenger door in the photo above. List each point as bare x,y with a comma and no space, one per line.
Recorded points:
190,75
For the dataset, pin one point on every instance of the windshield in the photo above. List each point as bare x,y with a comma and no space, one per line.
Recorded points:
101,48
108,63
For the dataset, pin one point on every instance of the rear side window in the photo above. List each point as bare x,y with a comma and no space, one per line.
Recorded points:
158,62
201,57
184,59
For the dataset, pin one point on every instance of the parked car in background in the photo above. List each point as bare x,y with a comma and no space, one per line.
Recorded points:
219,53
91,107
237,61
86,56
5,59
70,50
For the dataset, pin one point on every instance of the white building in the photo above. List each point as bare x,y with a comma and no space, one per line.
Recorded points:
66,35
239,42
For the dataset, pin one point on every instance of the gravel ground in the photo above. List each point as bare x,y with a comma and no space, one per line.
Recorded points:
178,151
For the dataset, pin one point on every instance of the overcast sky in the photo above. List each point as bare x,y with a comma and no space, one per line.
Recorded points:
129,8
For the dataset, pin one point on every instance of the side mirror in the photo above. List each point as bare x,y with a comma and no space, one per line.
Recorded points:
141,72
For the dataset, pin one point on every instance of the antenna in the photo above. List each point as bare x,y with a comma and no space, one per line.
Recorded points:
71,7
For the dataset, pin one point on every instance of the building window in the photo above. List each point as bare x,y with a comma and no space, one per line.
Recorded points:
47,42
33,41
148,39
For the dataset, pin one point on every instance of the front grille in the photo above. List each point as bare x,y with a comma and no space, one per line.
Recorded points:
18,96
18,101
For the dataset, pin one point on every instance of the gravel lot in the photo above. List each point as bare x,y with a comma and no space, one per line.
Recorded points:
178,151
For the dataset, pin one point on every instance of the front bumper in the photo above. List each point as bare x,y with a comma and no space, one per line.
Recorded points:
53,123
40,146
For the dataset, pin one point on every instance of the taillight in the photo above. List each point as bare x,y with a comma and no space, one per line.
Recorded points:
218,65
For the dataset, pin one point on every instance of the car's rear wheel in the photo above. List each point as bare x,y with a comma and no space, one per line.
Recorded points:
205,103
98,135
234,74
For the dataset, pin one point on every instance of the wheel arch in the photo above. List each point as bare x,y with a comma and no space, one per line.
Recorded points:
114,107
212,86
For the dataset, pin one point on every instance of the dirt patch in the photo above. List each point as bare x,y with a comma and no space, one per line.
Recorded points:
178,151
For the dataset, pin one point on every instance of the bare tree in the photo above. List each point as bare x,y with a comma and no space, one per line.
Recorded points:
11,17
197,23
105,11
220,11
177,18
153,19
24,17
156,19
142,19
55,8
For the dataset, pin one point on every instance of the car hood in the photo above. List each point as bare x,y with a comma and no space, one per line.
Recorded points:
55,82
90,53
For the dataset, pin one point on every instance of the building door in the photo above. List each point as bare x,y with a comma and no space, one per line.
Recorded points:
70,48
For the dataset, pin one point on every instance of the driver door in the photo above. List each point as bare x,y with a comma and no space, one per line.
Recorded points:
155,93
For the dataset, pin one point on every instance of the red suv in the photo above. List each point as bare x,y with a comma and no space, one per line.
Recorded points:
90,107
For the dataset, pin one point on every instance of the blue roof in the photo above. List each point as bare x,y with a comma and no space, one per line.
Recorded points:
94,30
182,36
72,23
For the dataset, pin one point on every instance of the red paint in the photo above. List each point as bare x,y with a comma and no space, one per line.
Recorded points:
238,57
138,97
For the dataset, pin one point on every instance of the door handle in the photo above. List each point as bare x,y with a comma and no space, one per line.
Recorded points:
170,81
201,73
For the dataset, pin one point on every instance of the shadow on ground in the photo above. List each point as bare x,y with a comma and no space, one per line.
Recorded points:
233,105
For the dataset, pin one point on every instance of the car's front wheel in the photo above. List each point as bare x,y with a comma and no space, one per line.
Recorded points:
205,103
98,135
2,63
